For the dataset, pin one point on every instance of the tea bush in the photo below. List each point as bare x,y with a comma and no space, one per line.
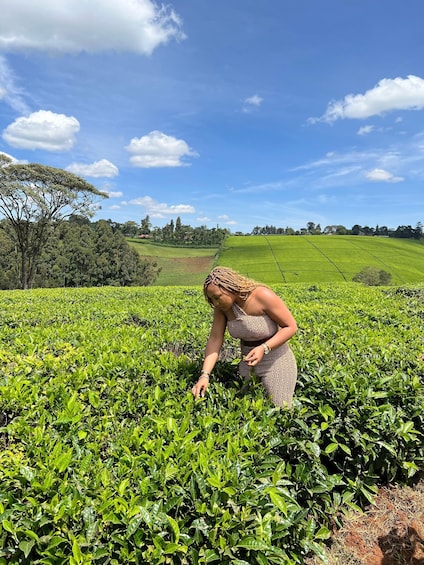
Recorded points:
107,458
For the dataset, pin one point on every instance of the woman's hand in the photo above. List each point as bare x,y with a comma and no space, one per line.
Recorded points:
254,356
201,386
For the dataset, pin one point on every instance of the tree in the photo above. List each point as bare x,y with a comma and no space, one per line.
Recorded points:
310,227
145,226
117,263
8,262
34,199
130,229
373,276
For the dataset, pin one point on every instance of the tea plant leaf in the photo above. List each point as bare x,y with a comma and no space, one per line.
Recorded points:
61,463
175,528
134,524
208,556
331,447
249,542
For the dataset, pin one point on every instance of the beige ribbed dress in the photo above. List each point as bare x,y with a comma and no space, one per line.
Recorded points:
278,369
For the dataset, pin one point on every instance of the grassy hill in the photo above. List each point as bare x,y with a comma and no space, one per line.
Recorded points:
292,259
180,265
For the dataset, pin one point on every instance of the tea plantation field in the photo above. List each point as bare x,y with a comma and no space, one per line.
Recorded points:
316,259
106,457
291,259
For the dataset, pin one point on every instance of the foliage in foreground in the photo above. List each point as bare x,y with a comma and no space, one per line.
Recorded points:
107,458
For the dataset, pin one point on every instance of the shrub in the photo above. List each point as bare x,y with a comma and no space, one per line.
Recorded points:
373,276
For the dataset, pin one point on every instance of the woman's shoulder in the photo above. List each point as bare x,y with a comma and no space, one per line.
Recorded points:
260,299
263,292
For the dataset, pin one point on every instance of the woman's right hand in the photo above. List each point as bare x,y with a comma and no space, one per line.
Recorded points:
201,386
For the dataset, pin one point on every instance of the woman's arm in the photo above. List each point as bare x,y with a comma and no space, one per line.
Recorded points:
213,347
268,302
277,310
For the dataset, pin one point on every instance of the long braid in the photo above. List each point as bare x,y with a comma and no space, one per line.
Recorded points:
231,281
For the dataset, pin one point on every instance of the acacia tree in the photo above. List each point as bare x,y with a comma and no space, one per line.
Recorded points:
34,199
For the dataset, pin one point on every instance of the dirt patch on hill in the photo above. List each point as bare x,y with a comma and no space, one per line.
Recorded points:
389,532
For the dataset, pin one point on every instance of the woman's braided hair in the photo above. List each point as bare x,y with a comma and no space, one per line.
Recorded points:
231,281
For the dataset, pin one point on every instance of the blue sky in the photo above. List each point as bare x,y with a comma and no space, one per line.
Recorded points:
235,113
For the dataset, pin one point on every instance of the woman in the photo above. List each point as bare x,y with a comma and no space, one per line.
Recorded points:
253,313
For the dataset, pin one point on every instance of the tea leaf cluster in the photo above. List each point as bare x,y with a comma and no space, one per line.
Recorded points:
106,457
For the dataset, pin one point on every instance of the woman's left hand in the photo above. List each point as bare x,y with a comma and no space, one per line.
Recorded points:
254,356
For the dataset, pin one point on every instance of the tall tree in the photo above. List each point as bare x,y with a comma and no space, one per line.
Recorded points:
34,199
145,226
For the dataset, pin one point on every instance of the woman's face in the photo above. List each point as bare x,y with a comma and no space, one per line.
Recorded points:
220,298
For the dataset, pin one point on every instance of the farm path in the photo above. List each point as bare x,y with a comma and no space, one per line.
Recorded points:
389,532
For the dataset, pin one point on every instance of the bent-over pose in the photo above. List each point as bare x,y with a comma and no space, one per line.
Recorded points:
253,313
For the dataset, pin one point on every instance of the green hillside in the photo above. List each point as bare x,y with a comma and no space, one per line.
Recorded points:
292,259
179,265
324,258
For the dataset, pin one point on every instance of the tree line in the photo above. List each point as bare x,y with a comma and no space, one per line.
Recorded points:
315,229
174,233
79,253
46,237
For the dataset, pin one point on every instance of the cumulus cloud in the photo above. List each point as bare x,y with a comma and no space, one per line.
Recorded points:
158,150
381,175
98,169
157,209
252,102
42,130
388,95
72,26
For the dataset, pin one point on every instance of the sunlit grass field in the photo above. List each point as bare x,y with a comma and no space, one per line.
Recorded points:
291,259
314,259
179,265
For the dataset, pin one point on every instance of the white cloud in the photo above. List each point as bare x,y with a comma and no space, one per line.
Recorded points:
365,130
158,150
203,219
72,26
381,175
114,193
98,169
9,92
42,130
157,209
252,102
388,95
